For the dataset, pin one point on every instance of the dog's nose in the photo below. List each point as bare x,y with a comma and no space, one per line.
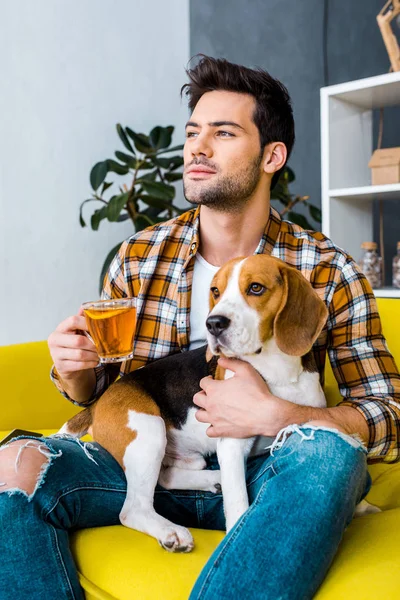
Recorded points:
217,324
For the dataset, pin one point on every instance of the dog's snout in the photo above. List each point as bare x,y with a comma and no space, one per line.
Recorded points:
217,324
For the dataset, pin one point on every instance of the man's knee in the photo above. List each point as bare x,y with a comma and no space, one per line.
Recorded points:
325,454
23,464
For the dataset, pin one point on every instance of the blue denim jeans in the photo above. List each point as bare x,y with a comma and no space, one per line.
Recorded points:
302,497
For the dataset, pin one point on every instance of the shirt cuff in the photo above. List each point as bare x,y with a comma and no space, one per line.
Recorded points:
98,389
383,423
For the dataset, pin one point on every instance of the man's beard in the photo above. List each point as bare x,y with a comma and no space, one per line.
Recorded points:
228,195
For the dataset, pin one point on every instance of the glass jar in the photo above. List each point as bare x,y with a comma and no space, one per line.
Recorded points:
371,264
396,268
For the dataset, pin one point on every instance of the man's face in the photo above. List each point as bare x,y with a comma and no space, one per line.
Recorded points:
222,152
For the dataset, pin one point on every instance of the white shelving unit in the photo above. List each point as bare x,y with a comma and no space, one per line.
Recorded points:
346,148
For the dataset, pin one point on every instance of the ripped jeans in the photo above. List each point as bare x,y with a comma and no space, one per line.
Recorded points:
302,497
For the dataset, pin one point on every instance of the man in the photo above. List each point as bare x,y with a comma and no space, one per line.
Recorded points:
238,139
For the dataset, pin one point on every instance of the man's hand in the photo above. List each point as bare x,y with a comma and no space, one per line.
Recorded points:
75,357
242,406
70,349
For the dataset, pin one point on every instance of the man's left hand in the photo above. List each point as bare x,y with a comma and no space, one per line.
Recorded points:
242,406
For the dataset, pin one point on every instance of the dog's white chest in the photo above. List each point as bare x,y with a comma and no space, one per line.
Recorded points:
189,442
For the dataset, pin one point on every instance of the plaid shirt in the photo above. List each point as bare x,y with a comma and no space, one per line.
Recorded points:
156,266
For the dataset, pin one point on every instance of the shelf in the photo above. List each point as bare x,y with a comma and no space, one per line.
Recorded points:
368,93
389,191
387,292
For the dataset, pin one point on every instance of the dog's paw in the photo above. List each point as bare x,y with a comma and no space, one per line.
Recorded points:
177,539
365,508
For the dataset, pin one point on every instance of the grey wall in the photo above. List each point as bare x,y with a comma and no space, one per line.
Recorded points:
286,39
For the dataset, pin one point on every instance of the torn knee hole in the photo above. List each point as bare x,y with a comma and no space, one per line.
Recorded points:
23,464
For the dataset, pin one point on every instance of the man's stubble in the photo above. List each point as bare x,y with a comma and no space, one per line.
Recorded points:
228,195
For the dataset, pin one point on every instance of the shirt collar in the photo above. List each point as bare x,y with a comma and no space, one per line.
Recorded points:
266,243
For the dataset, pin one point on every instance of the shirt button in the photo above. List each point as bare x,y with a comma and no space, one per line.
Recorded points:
193,246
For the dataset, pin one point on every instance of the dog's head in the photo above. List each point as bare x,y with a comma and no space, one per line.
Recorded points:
257,298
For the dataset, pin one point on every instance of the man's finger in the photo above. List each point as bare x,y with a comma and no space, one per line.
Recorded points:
205,382
233,364
202,416
200,399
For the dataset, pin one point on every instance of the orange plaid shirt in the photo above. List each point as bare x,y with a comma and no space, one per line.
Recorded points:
156,266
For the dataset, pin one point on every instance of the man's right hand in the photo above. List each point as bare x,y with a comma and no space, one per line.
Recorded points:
74,357
70,349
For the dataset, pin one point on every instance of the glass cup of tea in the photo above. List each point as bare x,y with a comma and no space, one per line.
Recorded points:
111,325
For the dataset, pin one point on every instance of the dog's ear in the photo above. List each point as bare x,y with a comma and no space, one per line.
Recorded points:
301,315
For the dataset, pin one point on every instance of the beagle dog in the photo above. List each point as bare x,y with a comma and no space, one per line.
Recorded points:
261,311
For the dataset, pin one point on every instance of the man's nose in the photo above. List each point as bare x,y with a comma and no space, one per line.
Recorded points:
201,146
217,324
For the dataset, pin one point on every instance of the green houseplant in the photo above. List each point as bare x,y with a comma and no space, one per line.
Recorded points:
147,194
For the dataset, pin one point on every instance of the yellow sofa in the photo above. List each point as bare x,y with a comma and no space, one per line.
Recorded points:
118,563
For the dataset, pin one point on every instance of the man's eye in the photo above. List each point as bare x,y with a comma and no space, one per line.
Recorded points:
190,134
225,134
256,289
215,292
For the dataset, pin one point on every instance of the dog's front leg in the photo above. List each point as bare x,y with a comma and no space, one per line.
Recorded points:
232,454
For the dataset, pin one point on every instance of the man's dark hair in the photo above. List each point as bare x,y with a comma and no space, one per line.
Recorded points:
273,115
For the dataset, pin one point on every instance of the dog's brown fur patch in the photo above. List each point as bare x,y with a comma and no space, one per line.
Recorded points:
110,419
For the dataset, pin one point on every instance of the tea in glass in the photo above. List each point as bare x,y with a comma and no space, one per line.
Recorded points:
111,325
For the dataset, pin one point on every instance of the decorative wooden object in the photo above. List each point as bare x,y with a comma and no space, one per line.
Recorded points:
384,18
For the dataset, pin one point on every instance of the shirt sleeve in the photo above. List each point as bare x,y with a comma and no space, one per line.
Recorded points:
362,364
114,286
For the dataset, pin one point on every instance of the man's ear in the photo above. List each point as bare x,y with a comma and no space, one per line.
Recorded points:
301,315
275,155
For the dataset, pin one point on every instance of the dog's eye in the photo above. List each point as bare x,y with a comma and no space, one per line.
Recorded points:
256,289
215,292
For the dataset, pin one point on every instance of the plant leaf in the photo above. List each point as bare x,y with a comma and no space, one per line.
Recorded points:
105,187
141,141
115,205
142,221
116,167
299,219
82,222
147,177
289,174
159,190
124,138
154,201
126,158
143,165
165,150
173,176
315,212
123,217
98,216
164,163
98,174
176,162
107,263
161,137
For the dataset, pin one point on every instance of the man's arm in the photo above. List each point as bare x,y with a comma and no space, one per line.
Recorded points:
76,372
366,373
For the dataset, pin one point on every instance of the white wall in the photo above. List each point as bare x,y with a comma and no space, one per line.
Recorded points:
70,70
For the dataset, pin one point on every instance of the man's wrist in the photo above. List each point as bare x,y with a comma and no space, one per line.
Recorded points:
344,418
347,419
